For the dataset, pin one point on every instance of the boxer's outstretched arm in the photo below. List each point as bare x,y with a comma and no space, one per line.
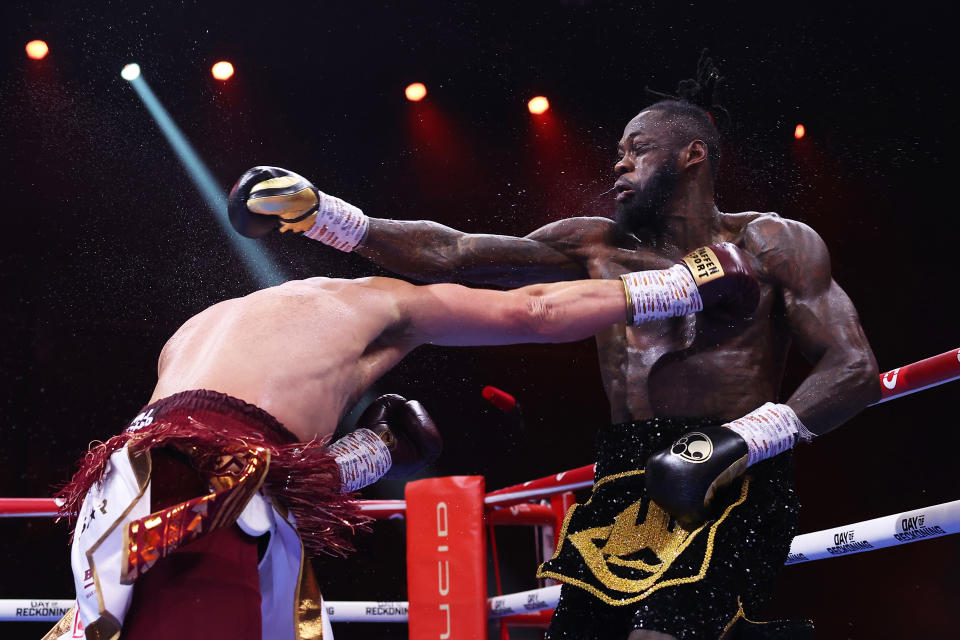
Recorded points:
824,324
271,198
453,315
432,252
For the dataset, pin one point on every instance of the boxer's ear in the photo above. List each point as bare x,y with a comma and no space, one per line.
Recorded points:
694,153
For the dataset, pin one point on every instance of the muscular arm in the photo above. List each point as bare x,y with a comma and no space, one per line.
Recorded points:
822,321
432,252
449,314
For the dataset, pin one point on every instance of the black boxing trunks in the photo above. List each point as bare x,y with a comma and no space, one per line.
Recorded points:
181,498
625,564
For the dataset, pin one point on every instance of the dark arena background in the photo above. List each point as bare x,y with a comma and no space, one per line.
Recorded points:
109,244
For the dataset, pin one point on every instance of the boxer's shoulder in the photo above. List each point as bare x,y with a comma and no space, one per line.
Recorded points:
786,249
373,298
763,228
335,286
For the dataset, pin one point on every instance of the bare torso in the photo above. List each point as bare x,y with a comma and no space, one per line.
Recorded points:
303,351
307,350
703,365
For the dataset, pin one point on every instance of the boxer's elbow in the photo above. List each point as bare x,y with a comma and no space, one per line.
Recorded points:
541,319
861,376
867,375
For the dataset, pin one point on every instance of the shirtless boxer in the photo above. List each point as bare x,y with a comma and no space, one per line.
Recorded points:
191,520
699,395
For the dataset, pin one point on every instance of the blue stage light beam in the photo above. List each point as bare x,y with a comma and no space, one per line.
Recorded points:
261,267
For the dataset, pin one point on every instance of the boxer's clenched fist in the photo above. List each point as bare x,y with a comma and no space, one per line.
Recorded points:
724,278
408,431
265,199
684,478
718,276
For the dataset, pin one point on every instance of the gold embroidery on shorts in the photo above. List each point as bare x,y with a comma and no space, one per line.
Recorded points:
573,507
604,547
157,535
665,546
739,614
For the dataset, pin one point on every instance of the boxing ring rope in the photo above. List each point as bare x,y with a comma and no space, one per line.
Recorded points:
878,533
511,506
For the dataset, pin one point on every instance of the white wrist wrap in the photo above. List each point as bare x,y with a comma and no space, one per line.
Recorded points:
769,430
339,224
663,293
362,457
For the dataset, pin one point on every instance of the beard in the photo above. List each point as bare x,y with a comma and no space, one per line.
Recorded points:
643,207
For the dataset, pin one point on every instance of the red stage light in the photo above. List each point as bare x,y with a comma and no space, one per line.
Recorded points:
799,132
37,49
223,70
538,105
416,92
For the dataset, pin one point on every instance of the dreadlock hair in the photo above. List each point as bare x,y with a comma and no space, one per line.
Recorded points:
695,112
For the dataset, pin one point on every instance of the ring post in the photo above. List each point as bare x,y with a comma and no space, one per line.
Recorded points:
446,558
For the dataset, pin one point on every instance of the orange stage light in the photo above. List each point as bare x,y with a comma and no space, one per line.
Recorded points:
799,132
415,92
538,105
223,70
37,49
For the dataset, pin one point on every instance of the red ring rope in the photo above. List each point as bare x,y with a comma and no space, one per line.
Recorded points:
895,383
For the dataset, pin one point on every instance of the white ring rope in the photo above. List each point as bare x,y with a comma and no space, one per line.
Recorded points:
523,602
887,531
339,611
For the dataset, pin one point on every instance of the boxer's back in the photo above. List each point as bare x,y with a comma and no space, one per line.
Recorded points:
302,351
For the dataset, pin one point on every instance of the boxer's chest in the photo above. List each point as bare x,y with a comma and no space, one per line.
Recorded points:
650,369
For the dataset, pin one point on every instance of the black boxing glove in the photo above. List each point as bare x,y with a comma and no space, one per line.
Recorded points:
684,478
408,431
718,276
265,199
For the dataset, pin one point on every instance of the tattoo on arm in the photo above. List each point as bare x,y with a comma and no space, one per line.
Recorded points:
432,252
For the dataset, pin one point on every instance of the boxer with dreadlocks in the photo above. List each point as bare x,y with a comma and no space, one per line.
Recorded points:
693,508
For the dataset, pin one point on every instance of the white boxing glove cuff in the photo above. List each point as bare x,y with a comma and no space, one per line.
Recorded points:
660,293
339,224
769,430
363,458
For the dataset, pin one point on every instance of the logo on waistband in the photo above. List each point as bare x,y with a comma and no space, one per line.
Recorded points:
693,447
142,420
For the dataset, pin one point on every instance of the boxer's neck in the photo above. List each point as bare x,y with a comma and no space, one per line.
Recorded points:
690,219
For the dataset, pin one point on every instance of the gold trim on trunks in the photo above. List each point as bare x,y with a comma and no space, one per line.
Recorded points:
64,625
740,615
149,539
308,601
308,604
624,537
142,465
106,627
597,483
